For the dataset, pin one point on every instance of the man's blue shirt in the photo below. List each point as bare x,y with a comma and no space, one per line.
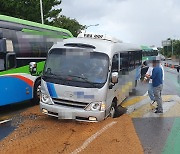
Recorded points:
157,76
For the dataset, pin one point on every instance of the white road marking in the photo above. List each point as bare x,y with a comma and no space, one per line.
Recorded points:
166,107
4,121
93,137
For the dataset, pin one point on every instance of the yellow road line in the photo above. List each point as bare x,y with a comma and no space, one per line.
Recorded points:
133,101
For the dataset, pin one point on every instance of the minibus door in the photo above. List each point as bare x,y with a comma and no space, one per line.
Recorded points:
113,87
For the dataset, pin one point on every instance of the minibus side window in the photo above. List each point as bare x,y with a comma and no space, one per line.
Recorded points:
138,59
131,60
115,63
124,62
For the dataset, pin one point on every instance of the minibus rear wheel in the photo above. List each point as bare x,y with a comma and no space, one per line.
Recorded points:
36,93
113,110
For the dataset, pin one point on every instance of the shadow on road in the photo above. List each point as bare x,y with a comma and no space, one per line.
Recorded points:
9,111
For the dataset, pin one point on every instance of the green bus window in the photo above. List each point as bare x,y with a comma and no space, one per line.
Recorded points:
11,61
2,63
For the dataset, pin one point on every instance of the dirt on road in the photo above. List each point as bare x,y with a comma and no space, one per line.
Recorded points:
39,133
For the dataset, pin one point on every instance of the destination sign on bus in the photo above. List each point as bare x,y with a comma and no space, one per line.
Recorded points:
98,36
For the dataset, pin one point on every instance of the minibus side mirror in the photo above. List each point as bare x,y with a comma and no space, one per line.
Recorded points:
114,77
33,68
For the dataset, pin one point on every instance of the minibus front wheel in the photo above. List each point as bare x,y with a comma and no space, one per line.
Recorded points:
113,110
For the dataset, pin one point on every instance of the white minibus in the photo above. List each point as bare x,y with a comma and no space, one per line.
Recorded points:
86,78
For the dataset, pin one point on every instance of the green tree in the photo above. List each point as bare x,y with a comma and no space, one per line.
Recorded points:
167,50
176,47
30,9
71,24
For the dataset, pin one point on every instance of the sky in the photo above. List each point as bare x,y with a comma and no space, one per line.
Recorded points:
143,22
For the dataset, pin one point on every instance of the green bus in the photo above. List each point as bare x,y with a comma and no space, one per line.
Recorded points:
22,42
148,53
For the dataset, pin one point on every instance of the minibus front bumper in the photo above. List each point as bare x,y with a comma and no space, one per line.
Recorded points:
62,112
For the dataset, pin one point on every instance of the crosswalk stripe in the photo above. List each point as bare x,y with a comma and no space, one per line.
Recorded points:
166,107
173,111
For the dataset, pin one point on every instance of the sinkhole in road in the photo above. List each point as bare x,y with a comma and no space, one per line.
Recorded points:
120,111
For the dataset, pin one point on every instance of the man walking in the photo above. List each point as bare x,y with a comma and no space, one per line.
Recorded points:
150,87
157,83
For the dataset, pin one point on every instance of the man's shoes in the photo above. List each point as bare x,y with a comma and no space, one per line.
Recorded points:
157,111
152,102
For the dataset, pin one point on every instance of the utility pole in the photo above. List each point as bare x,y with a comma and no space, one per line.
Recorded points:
41,8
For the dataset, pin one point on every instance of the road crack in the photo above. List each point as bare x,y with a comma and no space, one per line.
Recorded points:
66,143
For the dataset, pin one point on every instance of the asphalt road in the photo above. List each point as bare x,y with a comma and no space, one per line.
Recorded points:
157,133
170,85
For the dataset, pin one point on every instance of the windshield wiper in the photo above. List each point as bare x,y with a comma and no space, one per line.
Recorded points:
83,78
54,76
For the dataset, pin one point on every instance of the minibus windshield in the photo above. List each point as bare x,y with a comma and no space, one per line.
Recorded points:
78,65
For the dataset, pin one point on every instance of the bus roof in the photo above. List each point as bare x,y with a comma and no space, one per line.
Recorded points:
146,48
99,45
33,24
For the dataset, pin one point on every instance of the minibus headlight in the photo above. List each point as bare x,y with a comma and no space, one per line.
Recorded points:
96,106
45,98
